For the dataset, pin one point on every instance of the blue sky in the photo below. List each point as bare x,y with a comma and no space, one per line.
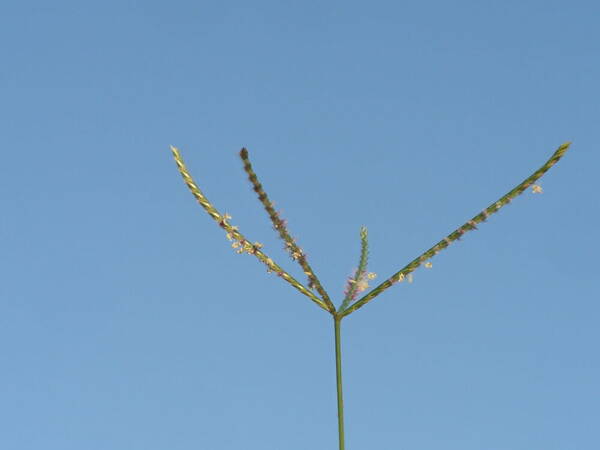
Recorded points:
127,322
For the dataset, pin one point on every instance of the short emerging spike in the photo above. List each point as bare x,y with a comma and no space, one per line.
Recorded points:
359,281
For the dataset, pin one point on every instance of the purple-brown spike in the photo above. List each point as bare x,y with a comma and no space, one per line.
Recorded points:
280,226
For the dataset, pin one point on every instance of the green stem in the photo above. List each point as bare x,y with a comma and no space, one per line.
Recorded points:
338,378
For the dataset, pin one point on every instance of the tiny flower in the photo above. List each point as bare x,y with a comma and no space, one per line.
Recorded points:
362,285
400,277
235,244
536,189
258,245
410,277
371,275
428,265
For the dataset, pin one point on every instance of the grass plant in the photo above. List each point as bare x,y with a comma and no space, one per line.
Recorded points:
358,283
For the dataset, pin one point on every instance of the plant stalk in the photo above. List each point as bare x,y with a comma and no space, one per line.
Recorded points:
338,378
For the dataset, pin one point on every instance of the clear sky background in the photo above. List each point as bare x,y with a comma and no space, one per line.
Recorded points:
128,323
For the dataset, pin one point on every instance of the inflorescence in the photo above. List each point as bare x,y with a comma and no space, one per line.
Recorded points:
359,281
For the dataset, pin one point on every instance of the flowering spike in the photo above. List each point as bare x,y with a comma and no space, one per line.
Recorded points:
232,233
280,226
360,280
455,235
